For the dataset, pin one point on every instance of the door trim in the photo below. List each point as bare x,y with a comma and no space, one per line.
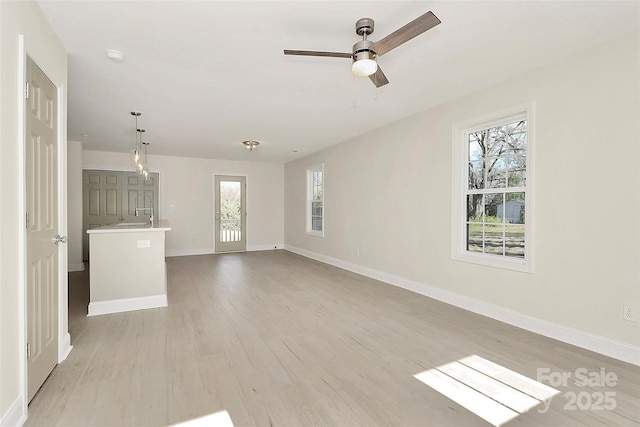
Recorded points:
64,338
246,217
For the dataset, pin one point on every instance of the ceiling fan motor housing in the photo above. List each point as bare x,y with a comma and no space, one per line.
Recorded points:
362,50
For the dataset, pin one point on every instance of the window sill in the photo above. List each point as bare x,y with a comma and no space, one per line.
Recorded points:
316,233
495,261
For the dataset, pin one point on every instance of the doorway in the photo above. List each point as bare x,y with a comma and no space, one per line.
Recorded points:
230,213
41,223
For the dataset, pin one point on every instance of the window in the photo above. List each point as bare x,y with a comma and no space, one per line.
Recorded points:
315,200
492,206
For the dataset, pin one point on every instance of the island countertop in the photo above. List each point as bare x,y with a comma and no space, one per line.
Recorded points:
132,227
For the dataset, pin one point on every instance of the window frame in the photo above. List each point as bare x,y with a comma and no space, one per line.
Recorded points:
460,183
310,200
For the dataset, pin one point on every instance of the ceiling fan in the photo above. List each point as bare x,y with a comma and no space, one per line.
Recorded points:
365,52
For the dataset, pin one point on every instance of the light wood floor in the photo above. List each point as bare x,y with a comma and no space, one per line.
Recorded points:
276,339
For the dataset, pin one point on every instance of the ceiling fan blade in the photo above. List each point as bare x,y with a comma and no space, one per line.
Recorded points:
406,33
378,78
316,53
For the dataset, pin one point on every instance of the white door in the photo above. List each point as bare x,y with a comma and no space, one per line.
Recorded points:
41,154
230,215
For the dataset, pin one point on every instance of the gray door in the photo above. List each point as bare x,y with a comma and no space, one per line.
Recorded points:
111,197
230,213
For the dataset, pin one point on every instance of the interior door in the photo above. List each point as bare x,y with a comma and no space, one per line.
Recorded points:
138,192
230,213
41,154
102,203
111,197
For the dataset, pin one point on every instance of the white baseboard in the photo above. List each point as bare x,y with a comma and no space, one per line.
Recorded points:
616,349
268,247
188,252
76,267
211,251
126,304
66,348
16,415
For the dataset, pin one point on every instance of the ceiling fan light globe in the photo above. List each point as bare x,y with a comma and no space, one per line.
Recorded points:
364,67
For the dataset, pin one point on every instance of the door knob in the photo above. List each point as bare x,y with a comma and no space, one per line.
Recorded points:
58,239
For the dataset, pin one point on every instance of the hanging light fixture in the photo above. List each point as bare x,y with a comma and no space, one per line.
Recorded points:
136,151
139,151
251,144
145,169
142,161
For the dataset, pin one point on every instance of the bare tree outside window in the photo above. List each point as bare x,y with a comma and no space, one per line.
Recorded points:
496,189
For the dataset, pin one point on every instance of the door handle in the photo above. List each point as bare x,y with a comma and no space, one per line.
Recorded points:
59,239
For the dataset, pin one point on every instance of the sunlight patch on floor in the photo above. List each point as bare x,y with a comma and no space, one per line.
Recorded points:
493,392
217,419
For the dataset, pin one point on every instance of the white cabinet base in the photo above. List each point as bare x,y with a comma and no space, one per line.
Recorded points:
127,269
126,304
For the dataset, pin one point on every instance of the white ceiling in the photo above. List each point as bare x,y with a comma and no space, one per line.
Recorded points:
207,75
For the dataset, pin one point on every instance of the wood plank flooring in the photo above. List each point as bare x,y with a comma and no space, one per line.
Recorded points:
277,339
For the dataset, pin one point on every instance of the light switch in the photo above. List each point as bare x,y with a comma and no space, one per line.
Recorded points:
144,243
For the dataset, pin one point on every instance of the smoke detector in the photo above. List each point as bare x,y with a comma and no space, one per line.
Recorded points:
115,55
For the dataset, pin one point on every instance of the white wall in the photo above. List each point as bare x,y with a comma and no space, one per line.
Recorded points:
186,198
43,46
388,195
74,205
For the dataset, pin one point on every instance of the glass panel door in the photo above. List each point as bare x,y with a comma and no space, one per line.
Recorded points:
230,213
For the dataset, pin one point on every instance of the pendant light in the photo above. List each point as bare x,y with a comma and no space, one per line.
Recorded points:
136,152
145,169
139,150
141,163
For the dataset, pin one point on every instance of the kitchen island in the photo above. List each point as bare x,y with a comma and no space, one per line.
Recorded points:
127,269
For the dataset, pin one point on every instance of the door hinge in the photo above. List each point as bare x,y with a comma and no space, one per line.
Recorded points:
28,350
27,220
26,90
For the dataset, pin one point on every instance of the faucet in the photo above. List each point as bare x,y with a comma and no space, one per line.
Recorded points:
150,209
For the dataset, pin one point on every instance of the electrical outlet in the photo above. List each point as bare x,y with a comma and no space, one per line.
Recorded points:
628,313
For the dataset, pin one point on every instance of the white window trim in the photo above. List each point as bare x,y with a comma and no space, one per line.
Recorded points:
309,196
459,180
